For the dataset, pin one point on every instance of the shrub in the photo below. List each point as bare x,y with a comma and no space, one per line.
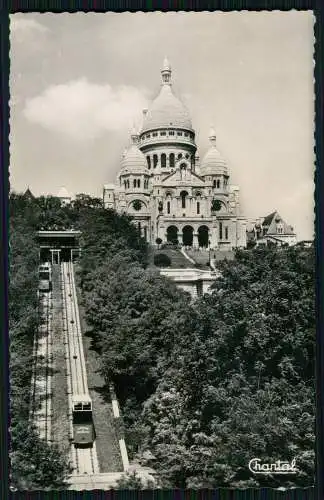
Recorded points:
162,260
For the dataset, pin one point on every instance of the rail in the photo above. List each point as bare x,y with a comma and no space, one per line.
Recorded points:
41,389
84,460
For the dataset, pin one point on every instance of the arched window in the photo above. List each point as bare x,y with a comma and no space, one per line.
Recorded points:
218,183
125,184
148,159
198,207
155,160
168,207
220,230
163,160
138,183
128,184
214,184
171,160
226,233
134,183
179,156
183,195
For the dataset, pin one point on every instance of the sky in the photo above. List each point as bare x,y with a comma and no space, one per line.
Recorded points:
79,82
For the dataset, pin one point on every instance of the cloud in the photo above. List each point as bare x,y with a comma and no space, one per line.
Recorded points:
83,110
26,25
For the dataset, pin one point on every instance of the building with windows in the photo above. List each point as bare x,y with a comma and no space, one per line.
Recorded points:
272,230
162,184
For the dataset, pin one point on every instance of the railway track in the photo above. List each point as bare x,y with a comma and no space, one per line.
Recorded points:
41,392
84,460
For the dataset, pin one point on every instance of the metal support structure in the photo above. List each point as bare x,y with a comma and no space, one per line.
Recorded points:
57,253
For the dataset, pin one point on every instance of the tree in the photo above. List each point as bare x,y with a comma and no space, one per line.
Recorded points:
162,260
241,377
131,481
158,241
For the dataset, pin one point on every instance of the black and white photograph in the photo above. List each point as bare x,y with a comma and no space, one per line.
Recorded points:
161,246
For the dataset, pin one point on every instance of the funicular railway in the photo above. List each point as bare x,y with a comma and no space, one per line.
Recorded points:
58,250
82,432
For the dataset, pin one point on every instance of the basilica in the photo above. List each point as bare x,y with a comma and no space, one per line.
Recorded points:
171,195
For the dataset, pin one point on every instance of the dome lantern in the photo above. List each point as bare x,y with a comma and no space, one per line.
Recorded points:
134,136
212,136
166,72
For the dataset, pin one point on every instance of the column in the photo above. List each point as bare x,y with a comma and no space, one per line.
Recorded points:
58,256
195,241
180,238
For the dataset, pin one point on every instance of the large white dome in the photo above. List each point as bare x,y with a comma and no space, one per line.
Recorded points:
166,110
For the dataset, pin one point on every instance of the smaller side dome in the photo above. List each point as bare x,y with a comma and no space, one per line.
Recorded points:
213,163
133,160
63,193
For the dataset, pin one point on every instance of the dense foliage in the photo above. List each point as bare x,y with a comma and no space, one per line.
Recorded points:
34,464
131,481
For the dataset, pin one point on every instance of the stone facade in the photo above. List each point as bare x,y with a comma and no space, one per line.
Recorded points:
164,187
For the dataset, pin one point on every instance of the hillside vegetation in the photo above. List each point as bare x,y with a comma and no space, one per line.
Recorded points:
204,386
